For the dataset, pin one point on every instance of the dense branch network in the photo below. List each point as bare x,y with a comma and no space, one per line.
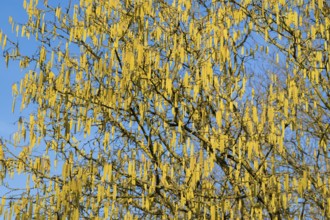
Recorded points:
172,109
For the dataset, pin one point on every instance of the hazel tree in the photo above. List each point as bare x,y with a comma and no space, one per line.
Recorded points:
175,109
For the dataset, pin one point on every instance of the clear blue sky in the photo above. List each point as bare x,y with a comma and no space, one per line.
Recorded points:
12,74
9,76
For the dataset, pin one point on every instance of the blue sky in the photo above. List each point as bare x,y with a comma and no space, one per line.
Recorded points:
12,74
9,76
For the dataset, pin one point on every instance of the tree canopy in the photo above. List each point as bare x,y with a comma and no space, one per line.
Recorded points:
182,109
